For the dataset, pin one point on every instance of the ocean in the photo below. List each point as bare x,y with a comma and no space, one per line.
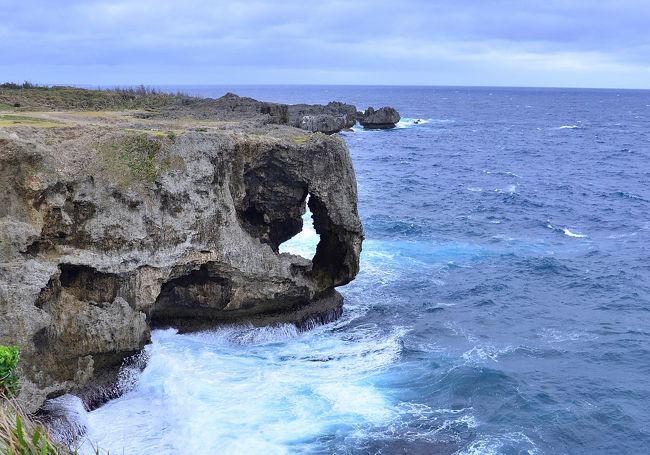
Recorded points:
503,303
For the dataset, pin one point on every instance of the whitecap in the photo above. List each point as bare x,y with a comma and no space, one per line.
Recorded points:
508,173
569,127
572,234
558,336
621,236
508,189
480,354
406,122
493,445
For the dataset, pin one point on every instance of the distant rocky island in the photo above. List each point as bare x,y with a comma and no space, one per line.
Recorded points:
126,210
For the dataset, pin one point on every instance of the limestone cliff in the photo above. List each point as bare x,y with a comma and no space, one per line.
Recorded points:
111,224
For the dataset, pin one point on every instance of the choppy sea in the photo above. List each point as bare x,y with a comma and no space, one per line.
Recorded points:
503,304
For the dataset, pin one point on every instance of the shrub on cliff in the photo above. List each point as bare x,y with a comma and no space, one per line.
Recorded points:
9,356
135,158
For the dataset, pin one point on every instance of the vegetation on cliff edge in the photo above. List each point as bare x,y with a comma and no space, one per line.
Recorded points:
137,157
19,435
31,97
9,357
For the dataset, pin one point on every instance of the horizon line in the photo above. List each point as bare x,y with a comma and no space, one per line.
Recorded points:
222,84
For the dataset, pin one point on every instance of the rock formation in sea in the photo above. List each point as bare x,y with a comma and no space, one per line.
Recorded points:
118,221
330,118
383,118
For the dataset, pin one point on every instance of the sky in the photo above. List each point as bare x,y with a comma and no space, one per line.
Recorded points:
545,43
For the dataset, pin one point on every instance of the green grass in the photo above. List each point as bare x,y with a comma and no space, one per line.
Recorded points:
139,158
6,107
20,434
7,120
9,357
134,158
30,439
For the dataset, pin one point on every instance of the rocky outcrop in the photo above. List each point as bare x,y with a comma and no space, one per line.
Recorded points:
323,123
229,107
383,118
108,231
330,118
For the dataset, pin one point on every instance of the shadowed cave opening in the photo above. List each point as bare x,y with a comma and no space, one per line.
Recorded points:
200,288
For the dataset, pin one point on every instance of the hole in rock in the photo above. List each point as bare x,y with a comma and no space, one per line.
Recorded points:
304,243
201,288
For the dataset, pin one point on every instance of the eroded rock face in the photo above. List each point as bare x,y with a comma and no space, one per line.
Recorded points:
323,123
383,118
229,107
100,241
330,118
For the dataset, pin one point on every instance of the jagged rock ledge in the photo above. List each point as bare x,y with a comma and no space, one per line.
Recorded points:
115,222
383,118
336,116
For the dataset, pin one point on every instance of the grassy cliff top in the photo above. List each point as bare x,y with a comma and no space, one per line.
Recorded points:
29,97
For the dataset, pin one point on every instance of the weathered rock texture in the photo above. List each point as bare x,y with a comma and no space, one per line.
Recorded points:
323,123
383,118
330,118
229,107
110,225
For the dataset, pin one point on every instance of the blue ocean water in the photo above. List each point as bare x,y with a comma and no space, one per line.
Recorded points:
503,304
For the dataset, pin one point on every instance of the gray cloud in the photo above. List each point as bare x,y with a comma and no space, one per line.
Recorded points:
504,42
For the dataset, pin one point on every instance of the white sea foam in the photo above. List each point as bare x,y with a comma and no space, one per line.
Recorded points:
482,353
508,189
572,234
559,336
566,231
406,122
569,127
244,390
622,236
420,422
68,418
511,174
515,442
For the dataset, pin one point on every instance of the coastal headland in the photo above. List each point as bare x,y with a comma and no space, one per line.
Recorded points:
127,210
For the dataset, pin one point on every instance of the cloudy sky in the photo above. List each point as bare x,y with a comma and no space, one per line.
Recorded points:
566,43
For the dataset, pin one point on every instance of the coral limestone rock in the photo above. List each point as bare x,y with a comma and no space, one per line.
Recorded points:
383,118
108,229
